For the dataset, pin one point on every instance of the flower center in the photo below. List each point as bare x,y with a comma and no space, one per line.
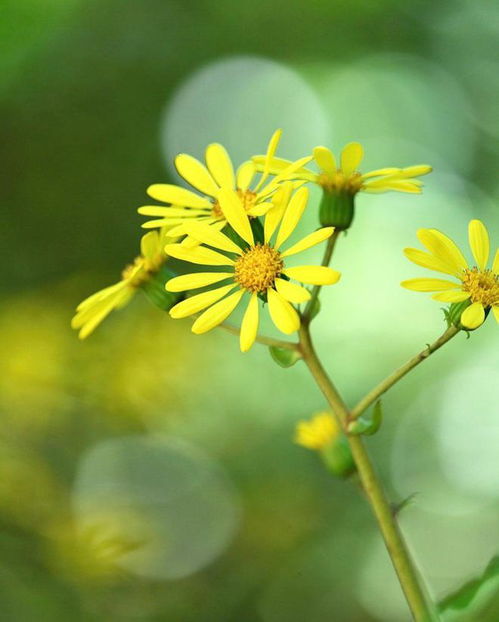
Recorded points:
338,182
248,199
258,268
483,285
141,270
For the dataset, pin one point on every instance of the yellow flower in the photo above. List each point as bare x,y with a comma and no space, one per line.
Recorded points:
93,310
477,284
186,206
318,432
346,179
257,269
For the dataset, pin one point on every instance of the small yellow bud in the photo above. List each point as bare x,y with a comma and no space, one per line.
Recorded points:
318,432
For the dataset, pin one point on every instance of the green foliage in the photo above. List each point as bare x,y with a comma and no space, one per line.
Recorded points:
367,424
464,597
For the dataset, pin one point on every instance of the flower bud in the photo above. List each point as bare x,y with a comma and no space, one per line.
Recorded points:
336,209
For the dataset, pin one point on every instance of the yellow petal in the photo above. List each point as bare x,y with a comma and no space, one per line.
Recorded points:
220,165
495,311
198,254
269,156
245,174
91,317
308,241
415,171
199,301
234,212
168,193
495,265
381,172
385,185
351,157
479,243
473,316
196,279
273,217
313,275
277,165
429,285
282,313
450,296
149,244
289,173
216,314
100,295
249,325
443,248
170,212
428,261
212,237
196,174
292,215
325,159
292,292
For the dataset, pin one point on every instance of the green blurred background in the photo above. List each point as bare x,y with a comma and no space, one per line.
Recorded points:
147,474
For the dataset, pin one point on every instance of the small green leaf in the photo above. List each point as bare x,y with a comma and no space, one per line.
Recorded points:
367,424
463,597
284,356
315,308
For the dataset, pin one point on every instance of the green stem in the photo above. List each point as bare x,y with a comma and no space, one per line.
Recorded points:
388,382
328,253
382,510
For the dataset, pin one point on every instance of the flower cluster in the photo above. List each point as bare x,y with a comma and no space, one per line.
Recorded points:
237,224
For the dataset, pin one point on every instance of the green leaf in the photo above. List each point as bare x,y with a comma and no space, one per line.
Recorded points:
463,597
367,424
284,356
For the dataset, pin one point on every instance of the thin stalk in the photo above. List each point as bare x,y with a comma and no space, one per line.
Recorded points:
404,567
388,382
328,253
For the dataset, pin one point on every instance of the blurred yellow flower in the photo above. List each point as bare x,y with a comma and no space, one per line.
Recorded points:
318,432
186,206
346,178
257,269
477,284
93,310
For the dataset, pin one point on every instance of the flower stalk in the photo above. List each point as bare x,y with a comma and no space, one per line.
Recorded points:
404,567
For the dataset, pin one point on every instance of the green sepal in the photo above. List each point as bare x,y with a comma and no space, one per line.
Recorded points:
367,424
336,209
337,458
284,357
257,228
315,308
154,289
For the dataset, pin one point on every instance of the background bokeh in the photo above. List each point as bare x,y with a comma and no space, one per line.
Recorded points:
147,474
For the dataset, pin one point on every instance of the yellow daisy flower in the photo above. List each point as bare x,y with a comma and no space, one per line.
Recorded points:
318,432
94,309
477,284
346,177
257,269
186,206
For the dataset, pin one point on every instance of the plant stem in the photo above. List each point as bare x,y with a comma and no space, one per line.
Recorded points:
328,253
392,536
388,382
